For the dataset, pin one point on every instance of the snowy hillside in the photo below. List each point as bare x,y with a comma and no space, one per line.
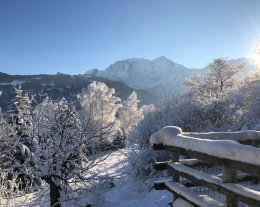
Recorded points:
160,76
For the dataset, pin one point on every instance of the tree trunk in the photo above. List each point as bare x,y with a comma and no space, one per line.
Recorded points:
55,195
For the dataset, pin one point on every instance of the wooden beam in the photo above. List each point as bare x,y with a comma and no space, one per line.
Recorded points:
249,168
186,162
192,197
159,147
194,163
235,191
161,165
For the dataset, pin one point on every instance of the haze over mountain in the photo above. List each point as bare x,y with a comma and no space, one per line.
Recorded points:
160,76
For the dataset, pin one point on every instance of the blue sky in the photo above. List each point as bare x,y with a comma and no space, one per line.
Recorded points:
72,36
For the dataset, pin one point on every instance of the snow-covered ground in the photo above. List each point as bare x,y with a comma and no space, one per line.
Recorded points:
125,193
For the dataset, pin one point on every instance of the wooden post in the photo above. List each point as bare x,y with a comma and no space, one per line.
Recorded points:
254,143
230,176
175,176
175,158
255,179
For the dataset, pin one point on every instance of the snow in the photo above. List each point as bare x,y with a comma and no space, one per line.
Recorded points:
181,203
13,83
153,75
242,190
200,200
39,199
173,136
159,76
236,136
195,173
189,162
48,84
125,193
115,165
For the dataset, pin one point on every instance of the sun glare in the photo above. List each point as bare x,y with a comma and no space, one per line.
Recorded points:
256,54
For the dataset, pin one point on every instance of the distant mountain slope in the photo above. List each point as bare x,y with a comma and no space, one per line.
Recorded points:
61,85
160,76
151,79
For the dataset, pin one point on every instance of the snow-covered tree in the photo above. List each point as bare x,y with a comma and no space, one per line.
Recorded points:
217,81
18,123
129,114
221,74
4,143
200,84
57,156
58,152
100,102
20,115
99,106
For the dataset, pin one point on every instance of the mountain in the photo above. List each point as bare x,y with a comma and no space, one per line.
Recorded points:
61,85
151,79
160,76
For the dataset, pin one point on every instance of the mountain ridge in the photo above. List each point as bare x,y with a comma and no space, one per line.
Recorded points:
159,76
152,79
61,85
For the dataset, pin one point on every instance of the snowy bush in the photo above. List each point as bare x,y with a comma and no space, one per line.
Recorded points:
247,97
141,162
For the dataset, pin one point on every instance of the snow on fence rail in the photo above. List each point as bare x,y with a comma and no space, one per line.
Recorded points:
229,149
240,136
212,148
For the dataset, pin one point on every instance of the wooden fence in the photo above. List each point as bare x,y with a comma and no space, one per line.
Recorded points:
204,151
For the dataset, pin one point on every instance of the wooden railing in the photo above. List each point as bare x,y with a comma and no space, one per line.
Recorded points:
233,156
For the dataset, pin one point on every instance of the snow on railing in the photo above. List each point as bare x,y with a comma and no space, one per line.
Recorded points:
215,148
228,149
247,135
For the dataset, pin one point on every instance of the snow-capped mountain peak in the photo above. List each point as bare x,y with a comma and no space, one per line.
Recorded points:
160,75
162,59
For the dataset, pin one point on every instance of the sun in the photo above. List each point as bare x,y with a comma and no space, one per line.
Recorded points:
256,54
